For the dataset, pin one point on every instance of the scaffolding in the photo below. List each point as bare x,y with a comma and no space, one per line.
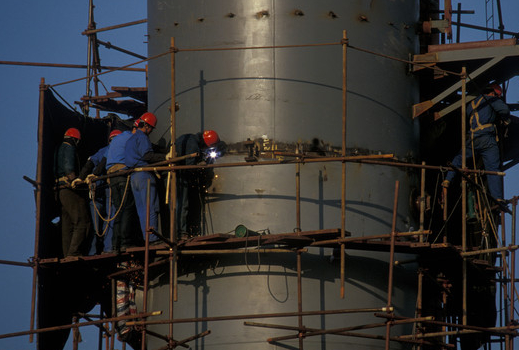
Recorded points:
298,242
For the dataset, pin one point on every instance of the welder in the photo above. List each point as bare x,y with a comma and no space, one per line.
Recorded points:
192,183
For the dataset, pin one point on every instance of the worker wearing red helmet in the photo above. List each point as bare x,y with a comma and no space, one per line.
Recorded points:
95,166
139,153
484,113
75,216
191,184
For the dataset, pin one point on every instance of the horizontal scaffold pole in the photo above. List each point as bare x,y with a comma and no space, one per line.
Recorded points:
491,250
241,317
82,324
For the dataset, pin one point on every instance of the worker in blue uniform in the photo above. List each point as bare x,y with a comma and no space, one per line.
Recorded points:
191,183
139,153
100,206
484,113
75,218
126,221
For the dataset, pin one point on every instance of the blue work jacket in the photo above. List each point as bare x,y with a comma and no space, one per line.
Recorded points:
116,150
136,147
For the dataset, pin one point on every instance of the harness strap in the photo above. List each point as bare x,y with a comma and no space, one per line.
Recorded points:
475,114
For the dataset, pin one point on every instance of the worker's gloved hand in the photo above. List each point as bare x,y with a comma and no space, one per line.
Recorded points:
76,182
170,155
445,183
89,178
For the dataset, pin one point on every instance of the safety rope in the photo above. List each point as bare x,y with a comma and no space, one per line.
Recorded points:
107,220
92,196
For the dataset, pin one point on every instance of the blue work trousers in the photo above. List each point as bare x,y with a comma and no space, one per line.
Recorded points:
485,146
139,181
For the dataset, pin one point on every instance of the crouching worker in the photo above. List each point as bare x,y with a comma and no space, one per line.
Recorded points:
192,183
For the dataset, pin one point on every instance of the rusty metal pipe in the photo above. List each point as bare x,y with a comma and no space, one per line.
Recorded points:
64,65
255,316
430,167
109,45
93,31
367,238
343,178
81,324
422,201
17,263
337,331
369,336
229,165
146,263
39,179
512,259
464,189
299,300
490,250
391,261
493,330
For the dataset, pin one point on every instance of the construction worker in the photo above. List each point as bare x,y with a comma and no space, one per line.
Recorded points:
126,222
75,217
191,183
100,205
139,153
484,113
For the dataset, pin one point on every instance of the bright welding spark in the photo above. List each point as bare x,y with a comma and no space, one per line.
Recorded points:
213,154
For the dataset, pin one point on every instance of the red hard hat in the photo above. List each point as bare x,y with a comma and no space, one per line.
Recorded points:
73,132
114,133
498,90
210,137
149,118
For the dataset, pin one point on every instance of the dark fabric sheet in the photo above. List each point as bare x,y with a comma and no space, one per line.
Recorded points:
66,290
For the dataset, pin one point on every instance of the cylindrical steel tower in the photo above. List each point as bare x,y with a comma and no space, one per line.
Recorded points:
281,97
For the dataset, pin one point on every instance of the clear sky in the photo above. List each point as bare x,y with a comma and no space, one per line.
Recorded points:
50,31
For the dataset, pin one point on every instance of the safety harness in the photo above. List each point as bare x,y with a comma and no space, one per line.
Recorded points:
475,115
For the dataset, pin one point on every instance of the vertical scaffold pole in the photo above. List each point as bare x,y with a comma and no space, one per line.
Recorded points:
391,263
343,183
512,260
146,263
505,271
422,202
114,313
419,301
39,175
173,272
299,299
464,188
298,193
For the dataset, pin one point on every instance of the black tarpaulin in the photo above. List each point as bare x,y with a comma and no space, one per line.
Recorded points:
65,290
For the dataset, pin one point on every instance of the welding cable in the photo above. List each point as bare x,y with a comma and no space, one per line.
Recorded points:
448,218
